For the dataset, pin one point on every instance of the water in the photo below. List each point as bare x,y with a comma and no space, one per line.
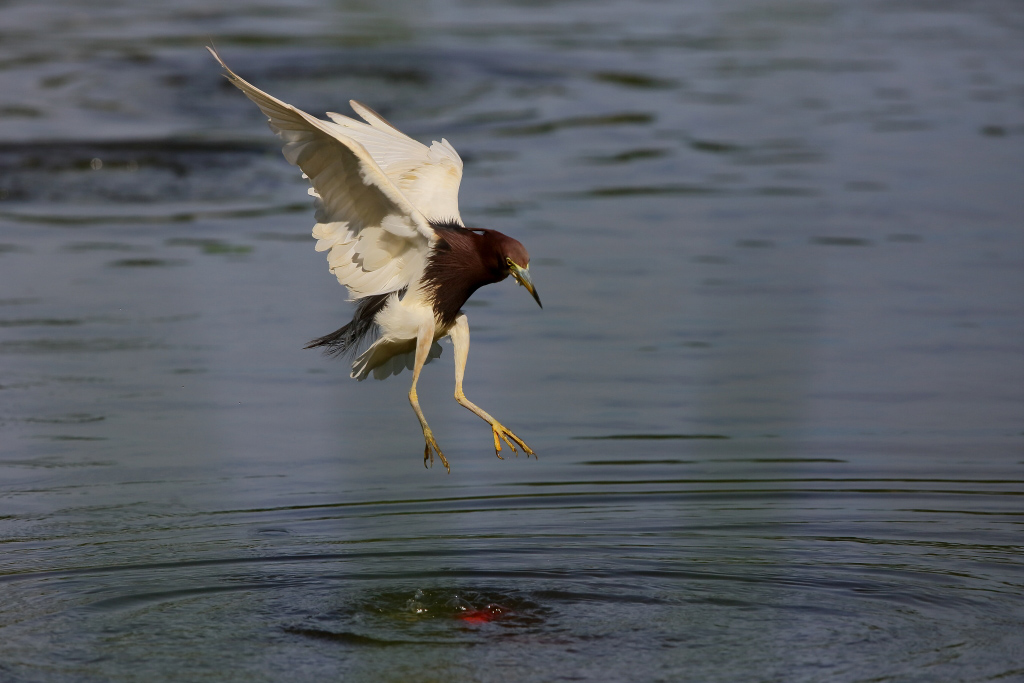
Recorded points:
776,388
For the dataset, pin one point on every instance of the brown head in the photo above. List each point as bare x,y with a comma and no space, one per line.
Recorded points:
512,258
465,259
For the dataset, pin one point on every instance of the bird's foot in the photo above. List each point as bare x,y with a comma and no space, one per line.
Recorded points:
428,454
503,433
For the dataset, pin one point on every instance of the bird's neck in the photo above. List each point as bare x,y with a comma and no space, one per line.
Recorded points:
461,263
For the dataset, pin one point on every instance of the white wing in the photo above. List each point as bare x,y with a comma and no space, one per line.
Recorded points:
428,176
378,240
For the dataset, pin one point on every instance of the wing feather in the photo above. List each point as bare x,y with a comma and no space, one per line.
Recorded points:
377,240
428,176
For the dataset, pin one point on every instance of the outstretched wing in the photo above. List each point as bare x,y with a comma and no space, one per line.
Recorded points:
378,241
429,177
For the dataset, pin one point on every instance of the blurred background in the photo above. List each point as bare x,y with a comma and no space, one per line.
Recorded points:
777,388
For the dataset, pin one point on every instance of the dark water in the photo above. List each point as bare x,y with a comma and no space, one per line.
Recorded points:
777,388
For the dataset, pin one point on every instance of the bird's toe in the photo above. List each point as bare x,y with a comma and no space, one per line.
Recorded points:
502,433
522,444
498,438
428,453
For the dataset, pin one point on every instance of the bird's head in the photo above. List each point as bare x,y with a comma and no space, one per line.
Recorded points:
517,264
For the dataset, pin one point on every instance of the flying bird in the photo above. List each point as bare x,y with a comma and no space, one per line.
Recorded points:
387,214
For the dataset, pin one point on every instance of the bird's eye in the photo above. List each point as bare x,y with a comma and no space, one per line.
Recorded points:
509,262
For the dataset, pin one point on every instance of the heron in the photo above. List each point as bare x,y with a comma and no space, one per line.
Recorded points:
387,214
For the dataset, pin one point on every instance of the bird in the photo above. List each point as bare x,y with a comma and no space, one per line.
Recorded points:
387,214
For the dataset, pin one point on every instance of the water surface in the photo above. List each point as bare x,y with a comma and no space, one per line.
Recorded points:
776,388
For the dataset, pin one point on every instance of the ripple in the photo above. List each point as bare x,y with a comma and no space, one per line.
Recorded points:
604,120
649,437
348,638
69,418
140,214
146,263
650,190
79,247
41,322
209,246
839,241
629,156
98,345
634,80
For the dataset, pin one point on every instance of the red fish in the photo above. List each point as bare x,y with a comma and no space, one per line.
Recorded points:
481,616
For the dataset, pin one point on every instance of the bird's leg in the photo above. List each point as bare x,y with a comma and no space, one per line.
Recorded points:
424,339
459,333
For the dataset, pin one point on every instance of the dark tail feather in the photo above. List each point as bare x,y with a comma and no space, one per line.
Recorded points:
348,338
337,342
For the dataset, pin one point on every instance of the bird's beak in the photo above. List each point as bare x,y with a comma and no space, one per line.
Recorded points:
522,276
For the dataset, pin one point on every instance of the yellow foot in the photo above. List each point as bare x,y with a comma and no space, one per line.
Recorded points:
502,433
428,454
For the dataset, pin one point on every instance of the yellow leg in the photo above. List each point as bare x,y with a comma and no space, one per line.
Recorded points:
423,341
460,340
